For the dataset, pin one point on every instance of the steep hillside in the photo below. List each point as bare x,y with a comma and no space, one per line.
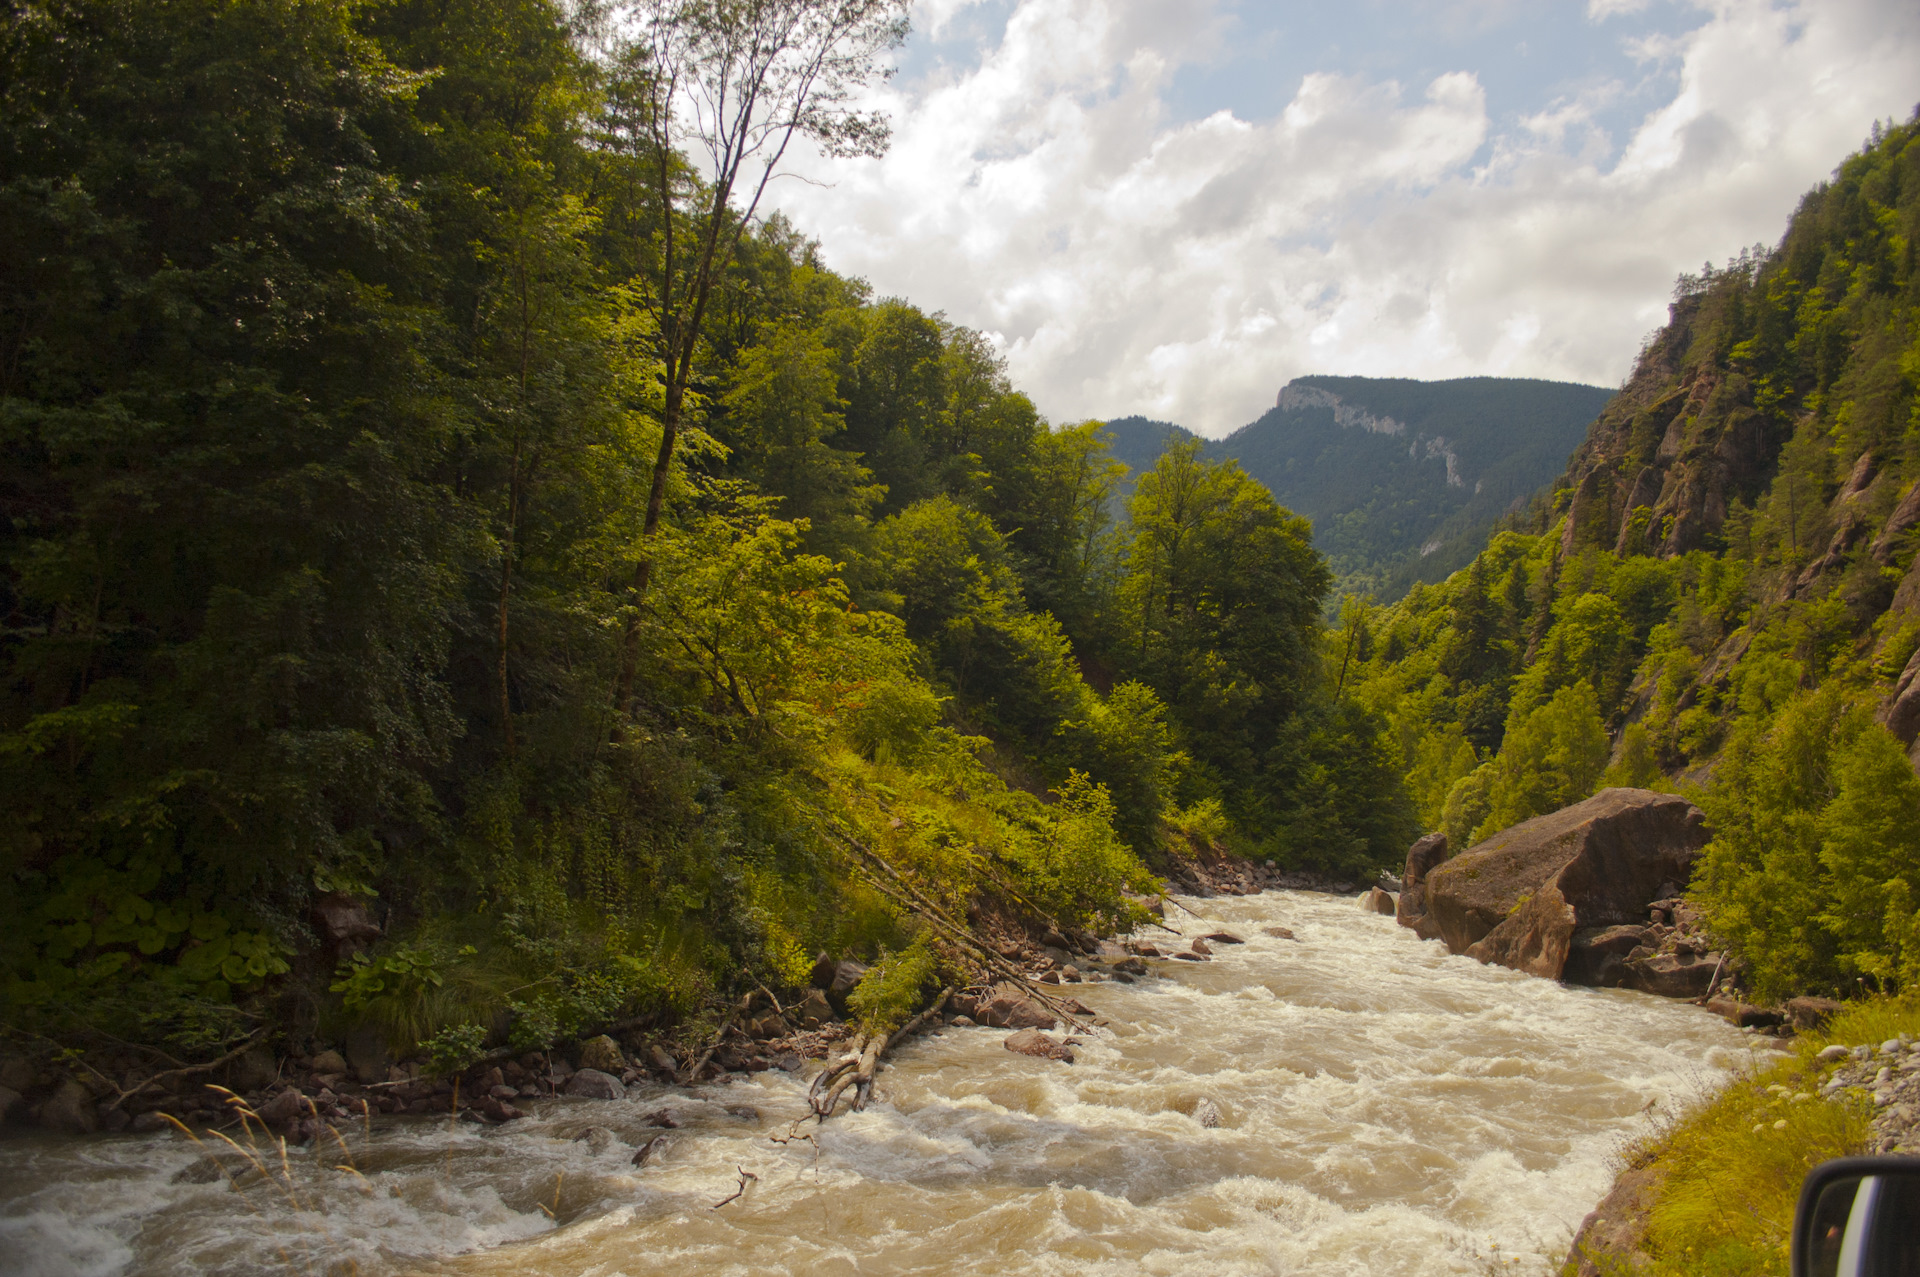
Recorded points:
1720,594
1401,478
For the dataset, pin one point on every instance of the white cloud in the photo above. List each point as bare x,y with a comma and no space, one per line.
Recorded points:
1126,262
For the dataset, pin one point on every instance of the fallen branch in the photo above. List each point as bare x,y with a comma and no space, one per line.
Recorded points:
737,1193
692,1074
910,898
192,1069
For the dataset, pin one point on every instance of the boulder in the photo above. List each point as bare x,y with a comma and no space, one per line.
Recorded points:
1223,937
822,974
1004,1006
10,1103
1201,946
255,1070
1378,901
1597,955
345,925
1426,855
598,1139
814,1010
1280,933
283,1111
659,1059
1671,975
846,978
1035,1043
602,1053
1130,966
1610,1237
1745,1015
592,1084
1518,898
768,1027
367,1054
1808,1015
329,1062
70,1111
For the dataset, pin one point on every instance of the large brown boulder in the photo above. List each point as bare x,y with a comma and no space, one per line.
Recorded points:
1517,898
1004,1006
1426,855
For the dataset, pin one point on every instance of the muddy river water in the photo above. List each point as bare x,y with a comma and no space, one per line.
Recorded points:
1386,1109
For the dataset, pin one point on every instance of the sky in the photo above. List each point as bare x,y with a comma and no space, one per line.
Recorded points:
1172,207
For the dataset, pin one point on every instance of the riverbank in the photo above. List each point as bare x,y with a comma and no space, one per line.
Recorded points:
1380,1103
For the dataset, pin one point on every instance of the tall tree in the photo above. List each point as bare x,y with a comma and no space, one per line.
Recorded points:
733,83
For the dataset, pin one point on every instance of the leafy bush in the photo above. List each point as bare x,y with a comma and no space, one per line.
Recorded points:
891,990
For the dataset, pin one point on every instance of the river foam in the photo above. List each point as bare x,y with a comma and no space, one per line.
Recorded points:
1387,1109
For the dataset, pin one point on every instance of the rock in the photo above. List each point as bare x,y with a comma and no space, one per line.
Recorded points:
598,1139
1905,517
602,1053
1200,946
662,1062
1597,955
1378,901
149,1123
787,1062
1518,898
661,1118
496,1109
1191,957
329,1062
17,1073
10,1103
346,925
367,1054
113,1117
1810,1014
1670,975
646,1150
1835,1052
814,1010
745,1112
1222,937
1742,1014
1423,857
1207,1113
504,1092
1280,933
592,1084
1145,948
846,978
1608,1243
822,974
281,1112
204,1170
254,1071
1004,1006
1130,966
963,1022
1035,1043
70,1110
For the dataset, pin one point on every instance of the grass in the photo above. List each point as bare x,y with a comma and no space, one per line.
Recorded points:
1733,1164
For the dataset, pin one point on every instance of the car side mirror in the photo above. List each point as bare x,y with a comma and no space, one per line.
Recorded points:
1859,1217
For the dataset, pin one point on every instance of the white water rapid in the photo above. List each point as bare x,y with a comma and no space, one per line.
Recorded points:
1387,1109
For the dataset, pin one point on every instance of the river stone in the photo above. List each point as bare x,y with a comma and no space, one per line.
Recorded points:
1517,898
592,1084
814,1010
598,1139
602,1053
1035,1043
253,1071
1201,946
1671,975
282,1111
1378,901
1207,1113
1130,965
1597,955
661,1061
1809,1015
70,1111
329,1062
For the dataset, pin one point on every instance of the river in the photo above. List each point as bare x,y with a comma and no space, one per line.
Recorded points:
1387,1109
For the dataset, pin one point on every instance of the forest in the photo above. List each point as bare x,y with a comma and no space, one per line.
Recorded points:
1720,597
429,485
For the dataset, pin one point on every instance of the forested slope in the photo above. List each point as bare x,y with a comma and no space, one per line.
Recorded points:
329,405
1401,479
1721,594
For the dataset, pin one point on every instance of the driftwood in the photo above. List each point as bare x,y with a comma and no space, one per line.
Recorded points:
692,1074
909,897
745,1175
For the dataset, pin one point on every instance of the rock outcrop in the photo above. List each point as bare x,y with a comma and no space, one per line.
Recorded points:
1426,855
1519,898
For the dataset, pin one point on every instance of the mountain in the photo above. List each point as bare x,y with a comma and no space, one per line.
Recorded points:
1401,478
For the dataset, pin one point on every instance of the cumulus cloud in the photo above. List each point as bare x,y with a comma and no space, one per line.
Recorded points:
1127,261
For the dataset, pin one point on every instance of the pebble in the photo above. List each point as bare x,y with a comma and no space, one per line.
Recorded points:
1883,1077
1892,1046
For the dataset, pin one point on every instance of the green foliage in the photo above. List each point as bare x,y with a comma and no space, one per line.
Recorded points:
1553,756
453,1048
893,987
